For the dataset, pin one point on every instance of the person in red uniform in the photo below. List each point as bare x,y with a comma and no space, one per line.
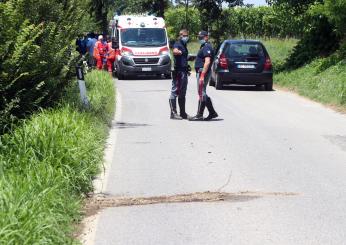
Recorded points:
111,55
100,52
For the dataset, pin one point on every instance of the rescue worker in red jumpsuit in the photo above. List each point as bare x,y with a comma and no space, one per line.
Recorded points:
111,55
100,52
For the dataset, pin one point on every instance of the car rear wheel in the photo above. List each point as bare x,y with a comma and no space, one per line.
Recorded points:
268,86
212,81
218,82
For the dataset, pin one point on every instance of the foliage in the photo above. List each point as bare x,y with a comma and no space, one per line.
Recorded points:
211,17
245,22
102,98
297,6
322,80
99,11
176,20
319,40
335,11
36,54
156,7
323,32
47,164
261,21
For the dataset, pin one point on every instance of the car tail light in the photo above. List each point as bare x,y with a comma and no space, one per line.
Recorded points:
223,61
126,52
268,64
164,51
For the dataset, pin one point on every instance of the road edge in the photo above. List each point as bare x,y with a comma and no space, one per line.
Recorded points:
89,223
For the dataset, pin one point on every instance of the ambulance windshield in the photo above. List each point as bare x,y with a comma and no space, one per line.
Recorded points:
143,37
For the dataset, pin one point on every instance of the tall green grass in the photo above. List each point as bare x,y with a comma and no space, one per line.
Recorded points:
47,165
318,81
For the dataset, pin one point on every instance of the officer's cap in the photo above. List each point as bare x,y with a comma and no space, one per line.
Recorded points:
202,34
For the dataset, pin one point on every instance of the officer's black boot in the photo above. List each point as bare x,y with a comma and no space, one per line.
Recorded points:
173,106
212,112
181,102
199,116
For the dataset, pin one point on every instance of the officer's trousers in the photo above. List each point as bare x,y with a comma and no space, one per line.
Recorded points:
179,85
202,87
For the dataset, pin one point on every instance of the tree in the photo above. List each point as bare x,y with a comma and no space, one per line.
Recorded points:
335,11
175,21
319,37
211,15
99,10
156,7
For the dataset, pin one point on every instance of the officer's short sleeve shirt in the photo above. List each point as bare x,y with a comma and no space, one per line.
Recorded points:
180,61
206,50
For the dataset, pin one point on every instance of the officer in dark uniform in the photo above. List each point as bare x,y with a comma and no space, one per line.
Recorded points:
203,63
180,74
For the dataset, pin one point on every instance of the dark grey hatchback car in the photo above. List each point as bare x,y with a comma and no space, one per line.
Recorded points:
243,62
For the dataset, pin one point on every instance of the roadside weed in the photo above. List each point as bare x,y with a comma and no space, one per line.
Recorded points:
47,165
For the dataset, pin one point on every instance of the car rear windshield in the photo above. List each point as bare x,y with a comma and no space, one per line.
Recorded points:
236,50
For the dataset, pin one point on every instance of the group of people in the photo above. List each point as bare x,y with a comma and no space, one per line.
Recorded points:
99,51
180,77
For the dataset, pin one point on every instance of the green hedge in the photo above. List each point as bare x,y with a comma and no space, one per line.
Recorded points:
47,165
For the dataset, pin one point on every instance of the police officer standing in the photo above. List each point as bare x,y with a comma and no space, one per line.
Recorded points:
180,76
203,71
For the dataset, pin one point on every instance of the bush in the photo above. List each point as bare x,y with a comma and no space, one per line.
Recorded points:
47,165
36,53
319,40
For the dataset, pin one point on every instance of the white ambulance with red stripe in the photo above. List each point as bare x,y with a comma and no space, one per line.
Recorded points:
142,46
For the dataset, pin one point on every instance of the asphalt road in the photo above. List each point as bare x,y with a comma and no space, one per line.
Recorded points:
263,142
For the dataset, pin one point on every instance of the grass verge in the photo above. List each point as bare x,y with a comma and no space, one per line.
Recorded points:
47,165
323,80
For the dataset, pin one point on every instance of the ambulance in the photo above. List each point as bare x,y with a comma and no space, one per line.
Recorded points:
142,46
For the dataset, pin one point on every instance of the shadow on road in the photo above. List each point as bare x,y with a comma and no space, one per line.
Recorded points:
212,120
245,88
145,77
150,91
